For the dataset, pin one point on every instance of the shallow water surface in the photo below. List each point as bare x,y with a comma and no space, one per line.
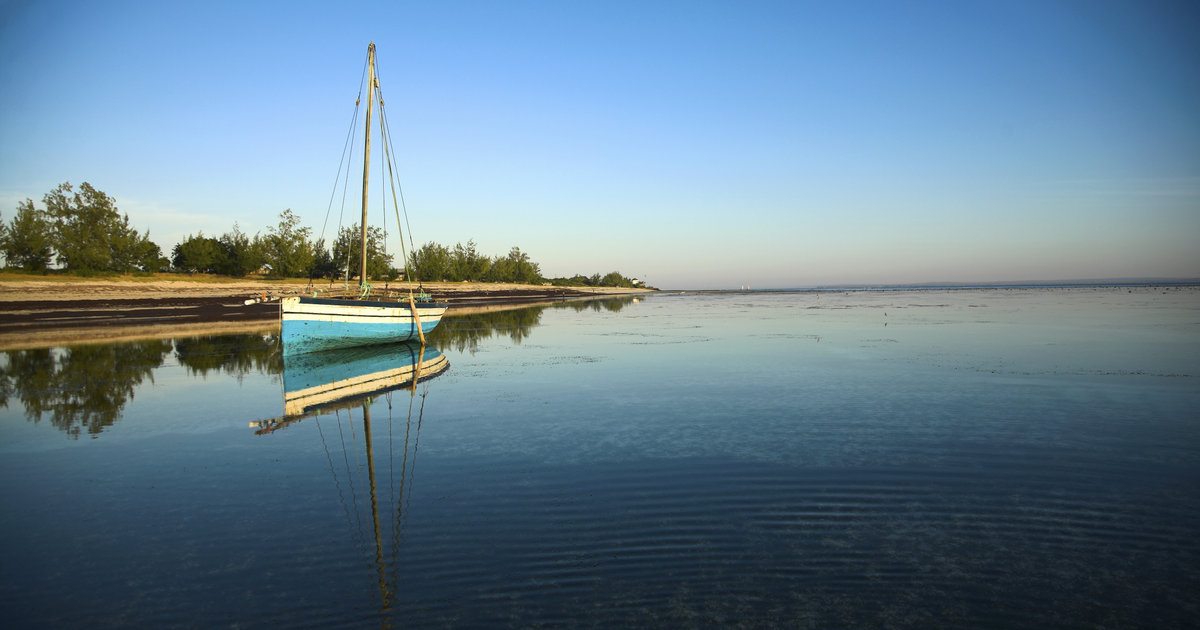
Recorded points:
971,458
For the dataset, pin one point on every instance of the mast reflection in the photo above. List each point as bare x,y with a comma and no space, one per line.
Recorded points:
339,382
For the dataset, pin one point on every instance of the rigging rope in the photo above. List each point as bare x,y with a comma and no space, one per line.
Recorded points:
362,542
400,187
387,152
351,144
338,177
333,471
389,149
397,190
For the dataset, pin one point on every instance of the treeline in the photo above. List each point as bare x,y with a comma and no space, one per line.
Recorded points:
611,279
287,250
83,232
433,262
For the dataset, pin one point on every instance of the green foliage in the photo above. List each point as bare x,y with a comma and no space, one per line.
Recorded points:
431,263
241,255
198,254
234,254
90,235
516,267
467,264
26,240
613,279
574,281
286,248
347,250
324,264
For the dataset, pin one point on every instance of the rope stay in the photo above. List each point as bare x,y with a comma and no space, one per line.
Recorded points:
389,166
350,145
389,150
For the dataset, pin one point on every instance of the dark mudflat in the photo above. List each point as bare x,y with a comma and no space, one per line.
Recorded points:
33,315
26,316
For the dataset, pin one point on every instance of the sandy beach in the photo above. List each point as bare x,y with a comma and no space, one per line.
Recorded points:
41,311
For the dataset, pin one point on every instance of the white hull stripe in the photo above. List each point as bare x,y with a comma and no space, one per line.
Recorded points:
404,320
359,311
296,403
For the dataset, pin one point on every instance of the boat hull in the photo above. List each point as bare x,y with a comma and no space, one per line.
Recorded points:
315,380
314,325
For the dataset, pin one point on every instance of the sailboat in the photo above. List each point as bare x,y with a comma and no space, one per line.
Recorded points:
364,317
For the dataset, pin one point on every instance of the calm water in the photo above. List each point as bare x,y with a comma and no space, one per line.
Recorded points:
991,458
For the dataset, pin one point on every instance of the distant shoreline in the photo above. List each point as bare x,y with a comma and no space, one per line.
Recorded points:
1176,282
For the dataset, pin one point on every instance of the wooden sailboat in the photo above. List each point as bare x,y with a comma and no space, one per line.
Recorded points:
311,324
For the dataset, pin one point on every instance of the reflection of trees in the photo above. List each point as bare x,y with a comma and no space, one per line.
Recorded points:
83,388
612,305
464,332
236,355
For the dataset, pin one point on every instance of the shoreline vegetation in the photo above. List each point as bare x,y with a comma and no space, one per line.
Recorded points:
84,234
77,271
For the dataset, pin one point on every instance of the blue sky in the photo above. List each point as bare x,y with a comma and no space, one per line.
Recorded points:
698,145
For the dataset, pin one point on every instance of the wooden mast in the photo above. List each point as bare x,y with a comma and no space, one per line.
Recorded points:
367,155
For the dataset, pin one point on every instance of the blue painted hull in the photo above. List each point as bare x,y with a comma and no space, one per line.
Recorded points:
315,325
316,380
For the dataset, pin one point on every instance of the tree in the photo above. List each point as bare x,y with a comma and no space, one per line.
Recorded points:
234,254
198,254
499,271
26,240
286,248
324,265
89,234
516,267
241,257
615,279
148,257
347,252
431,262
467,264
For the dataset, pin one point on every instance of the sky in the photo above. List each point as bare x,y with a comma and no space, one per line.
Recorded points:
691,144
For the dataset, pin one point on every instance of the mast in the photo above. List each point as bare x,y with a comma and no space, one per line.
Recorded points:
371,84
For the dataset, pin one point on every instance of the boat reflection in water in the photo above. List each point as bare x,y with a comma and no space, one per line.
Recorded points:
338,382
321,382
